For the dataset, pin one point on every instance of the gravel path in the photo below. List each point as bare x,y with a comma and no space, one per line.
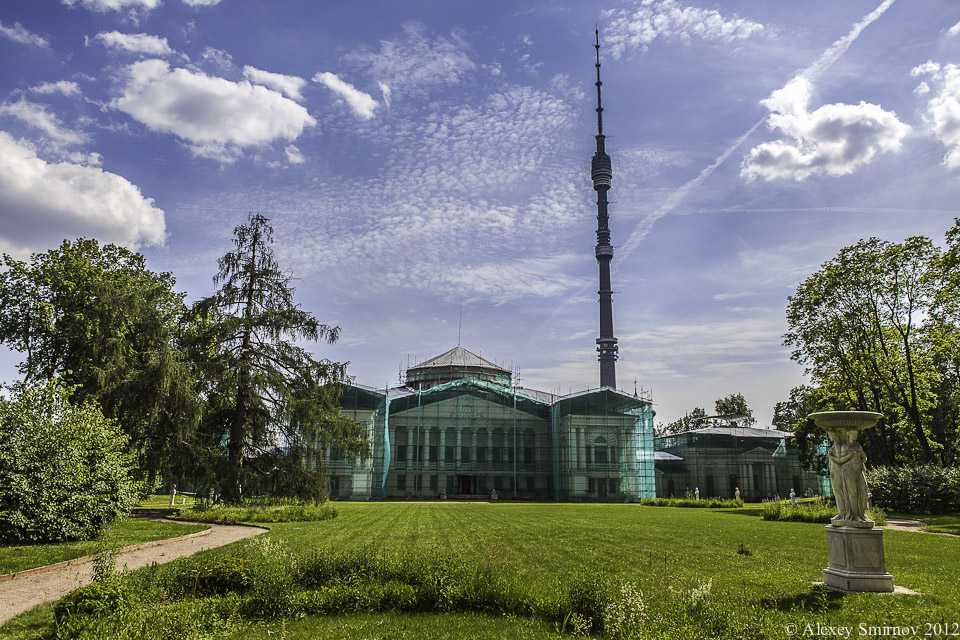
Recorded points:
27,591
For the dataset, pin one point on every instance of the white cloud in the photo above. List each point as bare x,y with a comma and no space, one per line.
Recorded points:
217,118
136,43
412,62
504,281
18,33
290,86
39,117
294,155
927,68
63,87
922,89
102,6
44,202
218,58
954,30
834,140
648,20
201,3
943,109
385,93
362,104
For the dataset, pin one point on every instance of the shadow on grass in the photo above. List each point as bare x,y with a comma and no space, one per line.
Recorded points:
819,599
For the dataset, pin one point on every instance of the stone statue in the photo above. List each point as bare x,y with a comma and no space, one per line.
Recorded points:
736,493
696,493
849,483
793,496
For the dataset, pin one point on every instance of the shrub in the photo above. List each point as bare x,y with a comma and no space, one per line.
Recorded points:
286,511
703,503
64,474
625,613
817,512
916,489
80,609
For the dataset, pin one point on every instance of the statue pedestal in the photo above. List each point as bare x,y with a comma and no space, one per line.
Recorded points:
855,560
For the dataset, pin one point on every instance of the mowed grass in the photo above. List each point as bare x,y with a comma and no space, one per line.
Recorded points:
664,550
14,558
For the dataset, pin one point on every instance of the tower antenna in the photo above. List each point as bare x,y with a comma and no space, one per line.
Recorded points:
601,172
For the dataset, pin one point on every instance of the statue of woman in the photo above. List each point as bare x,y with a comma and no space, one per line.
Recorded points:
849,483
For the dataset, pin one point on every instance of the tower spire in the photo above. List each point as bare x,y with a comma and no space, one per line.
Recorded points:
601,172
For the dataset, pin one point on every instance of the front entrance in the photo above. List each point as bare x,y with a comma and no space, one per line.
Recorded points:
466,485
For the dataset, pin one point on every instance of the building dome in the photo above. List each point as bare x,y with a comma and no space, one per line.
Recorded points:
455,364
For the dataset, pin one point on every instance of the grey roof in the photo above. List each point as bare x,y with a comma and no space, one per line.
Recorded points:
741,432
458,357
663,456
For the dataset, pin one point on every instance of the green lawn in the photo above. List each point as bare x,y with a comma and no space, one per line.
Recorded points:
664,550
941,524
162,501
124,532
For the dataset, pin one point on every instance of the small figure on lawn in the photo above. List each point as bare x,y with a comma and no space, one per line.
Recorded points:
493,495
736,493
793,496
696,493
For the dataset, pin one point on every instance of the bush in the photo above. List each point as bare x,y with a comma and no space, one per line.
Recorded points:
817,512
285,511
704,503
916,489
64,474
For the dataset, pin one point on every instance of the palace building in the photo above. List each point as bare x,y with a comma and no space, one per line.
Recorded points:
458,426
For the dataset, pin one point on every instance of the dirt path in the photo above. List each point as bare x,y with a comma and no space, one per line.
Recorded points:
913,525
27,591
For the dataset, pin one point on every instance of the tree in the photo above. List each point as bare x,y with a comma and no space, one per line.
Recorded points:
64,471
695,419
859,325
734,407
265,391
98,319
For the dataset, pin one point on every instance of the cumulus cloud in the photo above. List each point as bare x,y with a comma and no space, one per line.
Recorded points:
290,86
63,87
18,33
834,140
135,43
362,104
37,116
216,118
954,30
44,202
102,6
943,108
414,62
648,20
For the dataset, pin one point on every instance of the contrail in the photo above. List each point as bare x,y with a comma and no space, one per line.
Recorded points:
826,60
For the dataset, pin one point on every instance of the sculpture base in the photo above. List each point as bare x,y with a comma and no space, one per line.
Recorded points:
855,560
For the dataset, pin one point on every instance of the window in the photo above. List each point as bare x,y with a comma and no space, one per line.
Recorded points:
591,488
401,482
418,479
498,483
529,445
448,454
599,451
531,483
614,486
334,486
464,454
434,484
434,452
335,454
402,453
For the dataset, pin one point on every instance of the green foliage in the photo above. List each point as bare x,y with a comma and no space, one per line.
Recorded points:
292,511
264,387
64,474
704,503
916,488
695,419
875,333
734,407
814,511
97,318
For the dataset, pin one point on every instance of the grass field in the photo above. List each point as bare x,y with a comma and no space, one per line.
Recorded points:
665,551
124,532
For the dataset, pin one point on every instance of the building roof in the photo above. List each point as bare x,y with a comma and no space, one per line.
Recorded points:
458,357
741,432
663,456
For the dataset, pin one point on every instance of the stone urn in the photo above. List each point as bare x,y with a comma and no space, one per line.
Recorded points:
854,543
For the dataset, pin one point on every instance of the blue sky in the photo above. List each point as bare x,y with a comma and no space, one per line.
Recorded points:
423,158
